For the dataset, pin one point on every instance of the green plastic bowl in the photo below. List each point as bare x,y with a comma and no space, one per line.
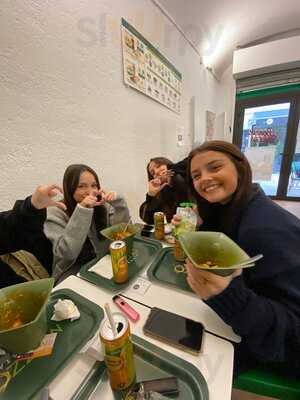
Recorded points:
132,228
24,304
212,246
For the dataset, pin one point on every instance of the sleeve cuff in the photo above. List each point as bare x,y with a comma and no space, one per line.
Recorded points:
28,208
232,300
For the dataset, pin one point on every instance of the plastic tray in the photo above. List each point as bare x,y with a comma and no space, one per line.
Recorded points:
32,376
162,270
144,250
151,363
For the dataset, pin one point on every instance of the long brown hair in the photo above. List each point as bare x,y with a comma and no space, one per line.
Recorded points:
232,210
70,184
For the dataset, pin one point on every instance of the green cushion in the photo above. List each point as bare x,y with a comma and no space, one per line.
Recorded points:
265,382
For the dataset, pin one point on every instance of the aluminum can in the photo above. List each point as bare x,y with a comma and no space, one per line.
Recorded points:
119,262
179,253
118,352
159,225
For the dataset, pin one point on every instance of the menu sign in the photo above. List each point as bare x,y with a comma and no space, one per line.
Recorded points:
147,70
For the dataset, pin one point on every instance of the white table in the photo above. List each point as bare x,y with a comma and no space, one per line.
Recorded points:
175,300
215,362
170,298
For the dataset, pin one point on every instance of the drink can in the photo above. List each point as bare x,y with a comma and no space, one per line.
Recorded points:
179,253
118,352
159,224
119,261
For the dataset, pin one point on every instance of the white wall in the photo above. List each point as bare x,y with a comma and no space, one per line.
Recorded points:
226,102
62,97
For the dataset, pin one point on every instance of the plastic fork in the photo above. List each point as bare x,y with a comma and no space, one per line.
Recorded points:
247,263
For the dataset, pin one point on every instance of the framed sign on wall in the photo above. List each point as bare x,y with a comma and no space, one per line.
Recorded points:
147,70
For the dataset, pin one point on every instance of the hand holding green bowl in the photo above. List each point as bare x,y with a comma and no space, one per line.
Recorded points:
214,252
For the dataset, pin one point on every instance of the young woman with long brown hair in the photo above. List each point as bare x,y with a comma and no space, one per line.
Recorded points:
75,232
262,304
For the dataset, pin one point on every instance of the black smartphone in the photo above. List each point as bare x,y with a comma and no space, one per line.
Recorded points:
147,230
175,330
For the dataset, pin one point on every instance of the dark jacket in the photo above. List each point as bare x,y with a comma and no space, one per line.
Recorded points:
263,304
167,200
22,229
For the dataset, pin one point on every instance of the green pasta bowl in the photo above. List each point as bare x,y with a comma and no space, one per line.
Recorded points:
213,251
23,319
118,232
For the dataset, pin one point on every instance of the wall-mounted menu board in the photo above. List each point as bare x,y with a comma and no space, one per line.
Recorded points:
147,70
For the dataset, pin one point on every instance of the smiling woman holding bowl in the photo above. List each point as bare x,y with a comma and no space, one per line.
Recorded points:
262,304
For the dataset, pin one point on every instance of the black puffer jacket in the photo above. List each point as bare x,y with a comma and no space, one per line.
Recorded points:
22,229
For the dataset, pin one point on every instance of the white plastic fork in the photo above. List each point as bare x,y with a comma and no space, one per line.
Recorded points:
247,263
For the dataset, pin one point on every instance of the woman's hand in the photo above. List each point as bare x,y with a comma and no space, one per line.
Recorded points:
165,176
176,219
155,186
108,196
206,284
92,200
43,197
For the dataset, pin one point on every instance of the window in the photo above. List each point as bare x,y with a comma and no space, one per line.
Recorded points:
267,130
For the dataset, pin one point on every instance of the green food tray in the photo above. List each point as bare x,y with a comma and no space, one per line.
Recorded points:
151,363
144,250
34,375
162,271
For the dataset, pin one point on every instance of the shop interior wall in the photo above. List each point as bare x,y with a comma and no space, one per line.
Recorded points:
63,100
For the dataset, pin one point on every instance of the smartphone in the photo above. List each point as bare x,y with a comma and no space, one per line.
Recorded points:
175,330
147,230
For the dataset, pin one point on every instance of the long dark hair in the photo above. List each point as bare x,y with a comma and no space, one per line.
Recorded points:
70,184
230,212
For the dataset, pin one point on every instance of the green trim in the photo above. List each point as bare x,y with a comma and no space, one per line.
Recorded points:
265,382
152,48
268,91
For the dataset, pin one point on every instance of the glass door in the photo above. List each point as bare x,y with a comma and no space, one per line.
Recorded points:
267,130
263,142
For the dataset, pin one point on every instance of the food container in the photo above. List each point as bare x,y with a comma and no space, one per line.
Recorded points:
114,232
23,320
214,247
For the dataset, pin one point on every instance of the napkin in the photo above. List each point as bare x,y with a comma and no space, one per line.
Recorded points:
103,267
94,348
65,309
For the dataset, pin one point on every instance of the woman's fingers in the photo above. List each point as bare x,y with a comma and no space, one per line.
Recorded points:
176,220
60,205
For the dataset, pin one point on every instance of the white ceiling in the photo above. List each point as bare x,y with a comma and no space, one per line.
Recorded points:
217,27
